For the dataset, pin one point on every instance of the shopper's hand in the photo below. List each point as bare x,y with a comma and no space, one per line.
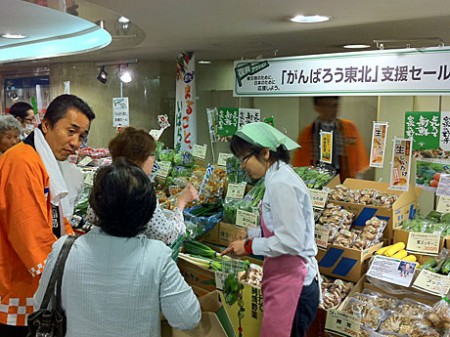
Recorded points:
236,247
188,194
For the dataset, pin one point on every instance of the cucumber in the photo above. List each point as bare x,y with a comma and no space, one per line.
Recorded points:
431,263
446,267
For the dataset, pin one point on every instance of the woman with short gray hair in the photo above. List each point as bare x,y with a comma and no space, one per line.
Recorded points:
9,132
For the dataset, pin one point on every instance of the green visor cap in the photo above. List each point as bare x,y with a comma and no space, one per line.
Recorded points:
265,135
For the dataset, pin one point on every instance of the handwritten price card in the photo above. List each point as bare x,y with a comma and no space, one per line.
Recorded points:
423,243
164,169
236,191
318,198
342,323
85,161
222,159
443,205
432,283
321,235
246,219
199,151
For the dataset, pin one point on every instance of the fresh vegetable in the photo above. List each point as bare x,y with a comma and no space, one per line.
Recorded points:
410,258
429,264
394,249
446,267
231,288
315,177
400,254
381,250
206,209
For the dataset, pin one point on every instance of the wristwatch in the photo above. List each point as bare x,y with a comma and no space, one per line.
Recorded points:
248,246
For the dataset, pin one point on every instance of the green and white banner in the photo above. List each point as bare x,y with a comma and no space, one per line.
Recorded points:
386,72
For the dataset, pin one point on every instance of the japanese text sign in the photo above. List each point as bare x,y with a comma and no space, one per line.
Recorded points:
401,164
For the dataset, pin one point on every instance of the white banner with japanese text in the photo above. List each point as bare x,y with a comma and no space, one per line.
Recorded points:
377,152
185,135
401,164
423,71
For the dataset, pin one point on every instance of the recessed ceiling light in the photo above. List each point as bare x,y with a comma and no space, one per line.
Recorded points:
204,62
13,36
310,18
356,46
123,19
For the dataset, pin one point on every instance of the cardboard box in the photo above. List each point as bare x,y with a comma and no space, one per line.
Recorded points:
214,322
212,236
253,305
345,263
197,276
403,208
229,233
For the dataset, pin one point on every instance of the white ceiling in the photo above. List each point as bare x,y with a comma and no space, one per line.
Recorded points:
231,29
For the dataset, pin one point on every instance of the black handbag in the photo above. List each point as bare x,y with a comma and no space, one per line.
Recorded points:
52,322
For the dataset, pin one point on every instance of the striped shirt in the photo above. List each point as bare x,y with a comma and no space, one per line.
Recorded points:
115,286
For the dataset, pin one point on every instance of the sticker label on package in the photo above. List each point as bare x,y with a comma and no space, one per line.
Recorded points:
246,219
164,169
432,283
423,243
443,205
342,323
236,191
85,161
321,235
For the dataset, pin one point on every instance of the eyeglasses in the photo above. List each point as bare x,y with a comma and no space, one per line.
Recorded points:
243,160
29,120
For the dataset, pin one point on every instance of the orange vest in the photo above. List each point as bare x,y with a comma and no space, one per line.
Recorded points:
354,160
26,235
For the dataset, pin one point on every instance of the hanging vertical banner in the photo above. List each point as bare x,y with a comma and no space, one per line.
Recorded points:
185,108
120,111
401,164
227,121
444,139
424,128
247,115
326,146
379,134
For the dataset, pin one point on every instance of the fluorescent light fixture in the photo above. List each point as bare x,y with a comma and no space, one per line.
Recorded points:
123,19
356,46
124,74
13,36
310,18
204,62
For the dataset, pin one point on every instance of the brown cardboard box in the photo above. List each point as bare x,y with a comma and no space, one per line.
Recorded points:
214,322
211,236
402,208
345,263
229,233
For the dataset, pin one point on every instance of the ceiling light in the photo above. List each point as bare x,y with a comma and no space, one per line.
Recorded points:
102,75
356,46
204,62
13,36
123,19
310,18
124,74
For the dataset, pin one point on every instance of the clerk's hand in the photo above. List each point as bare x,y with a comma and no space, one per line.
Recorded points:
236,247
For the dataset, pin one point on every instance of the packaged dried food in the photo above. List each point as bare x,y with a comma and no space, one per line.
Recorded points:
382,301
439,315
398,323
370,316
411,308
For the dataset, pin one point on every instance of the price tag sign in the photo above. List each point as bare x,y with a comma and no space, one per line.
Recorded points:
321,235
164,169
392,270
85,161
222,160
246,219
432,283
199,151
318,198
236,191
342,323
423,243
443,205
156,133
89,179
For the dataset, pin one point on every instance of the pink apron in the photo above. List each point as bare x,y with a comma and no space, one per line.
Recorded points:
282,284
